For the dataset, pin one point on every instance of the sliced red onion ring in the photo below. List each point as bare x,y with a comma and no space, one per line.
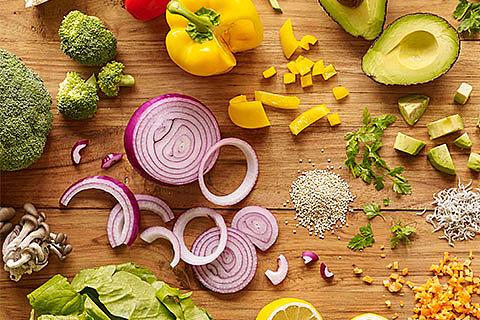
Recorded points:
153,233
168,136
125,197
234,269
75,152
248,182
277,277
258,224
179,229
145,202
111,159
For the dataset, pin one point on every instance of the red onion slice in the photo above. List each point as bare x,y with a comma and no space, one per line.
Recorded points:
234,269
111,159
125,197
248,182
179,229
145,202
277,277
153,233
75,152
168,136
258,224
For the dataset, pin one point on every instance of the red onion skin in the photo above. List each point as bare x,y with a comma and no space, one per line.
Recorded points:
246,220
130,136
111,159
83,143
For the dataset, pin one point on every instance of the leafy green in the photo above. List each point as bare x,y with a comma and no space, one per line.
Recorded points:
364,238
386,202
372,169
401,234
468,14
372,210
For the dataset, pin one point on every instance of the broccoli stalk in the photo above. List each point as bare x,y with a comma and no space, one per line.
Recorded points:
111,78
77,99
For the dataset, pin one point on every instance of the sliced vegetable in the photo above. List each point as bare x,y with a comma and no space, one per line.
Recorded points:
309,257
463,93
412,107
307,118
277,100
179,229
340,92
408,144
306,41
306,80
277,277
292,67
444,126
123,195
287,39
75,152
275,6
270,72
168,136
325,272
289,78
474,162
248,182
234,269
153,233
318,68
441,159
329,72
248,115
304,65
334,119
463,141
111,159
258,224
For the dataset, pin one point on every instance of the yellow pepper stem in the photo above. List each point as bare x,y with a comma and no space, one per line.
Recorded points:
202,24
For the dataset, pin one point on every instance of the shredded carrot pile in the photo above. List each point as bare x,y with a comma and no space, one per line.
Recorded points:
450,299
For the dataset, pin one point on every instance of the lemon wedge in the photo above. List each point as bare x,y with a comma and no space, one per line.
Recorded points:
369,316
289,309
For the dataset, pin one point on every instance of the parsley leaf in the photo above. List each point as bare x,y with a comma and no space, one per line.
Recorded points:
462,7
468,14
372,210
386,202
401,234
364,238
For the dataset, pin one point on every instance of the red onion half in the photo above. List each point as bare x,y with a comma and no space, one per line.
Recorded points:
75,152
258,224
116,221
153,233
125,197
179,229
168,136
248,182
234,269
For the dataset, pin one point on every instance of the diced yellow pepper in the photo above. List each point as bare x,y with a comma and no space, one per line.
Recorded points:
329,72
277,100
270,72
304,65
292,67
340,92
237,99
334,119
318,68
248,115
306,81
287,39
289,78
306,41
308,117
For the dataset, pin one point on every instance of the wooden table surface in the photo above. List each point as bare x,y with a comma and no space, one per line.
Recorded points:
32,35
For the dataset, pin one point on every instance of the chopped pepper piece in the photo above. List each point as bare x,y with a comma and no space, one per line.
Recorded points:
306,81
368,279
277,100
308,117
248,115
276,6
270,72
334,119
306,41
304,65
463,93
318,68
340,92
287,39
329,72
238,99
292,67
289,78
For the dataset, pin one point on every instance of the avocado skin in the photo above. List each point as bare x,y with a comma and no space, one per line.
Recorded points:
351,3
428,81
333,18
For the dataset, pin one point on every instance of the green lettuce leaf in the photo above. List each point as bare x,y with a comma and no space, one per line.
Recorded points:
143,273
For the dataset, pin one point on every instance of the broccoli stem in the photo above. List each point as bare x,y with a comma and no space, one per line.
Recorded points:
126,80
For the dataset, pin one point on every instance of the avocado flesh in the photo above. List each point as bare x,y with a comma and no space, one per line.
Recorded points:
442,127
441,160
412,107
415,48
408,144
364,21
463,141
474,162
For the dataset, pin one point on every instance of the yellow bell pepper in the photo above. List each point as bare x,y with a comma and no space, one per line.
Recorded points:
340,92
205,33
292,67
248,115
334,119
289,78
306,41
270,72
304,65
308,117
277,100
318,68
306,80
238,99
287,39
329,72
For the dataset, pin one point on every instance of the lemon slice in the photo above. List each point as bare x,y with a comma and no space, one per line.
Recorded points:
289,309
369,316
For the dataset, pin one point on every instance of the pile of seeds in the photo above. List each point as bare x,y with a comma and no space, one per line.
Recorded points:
457,212
321,199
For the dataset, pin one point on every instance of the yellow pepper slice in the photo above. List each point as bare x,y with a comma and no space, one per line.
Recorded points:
238,99
307,118
287,39
270,72
334,119
318,68
248,115
306,80
329,72
292,67
304,65
289,78
306,41
277,100
340,92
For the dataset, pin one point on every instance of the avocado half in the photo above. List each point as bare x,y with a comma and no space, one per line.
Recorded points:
359,18
416,48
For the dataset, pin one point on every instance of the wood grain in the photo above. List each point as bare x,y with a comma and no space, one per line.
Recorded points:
32,35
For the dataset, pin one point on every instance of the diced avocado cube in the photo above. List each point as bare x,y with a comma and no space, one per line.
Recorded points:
463,141
408,144
441,159
463,93
442,127
474,162
412,107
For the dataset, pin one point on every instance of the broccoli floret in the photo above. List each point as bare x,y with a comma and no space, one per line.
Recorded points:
86,39
77,99
111,78
25,116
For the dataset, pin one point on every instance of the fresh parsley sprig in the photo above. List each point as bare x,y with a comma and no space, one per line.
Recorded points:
372,210
364,238
372,169
402,233
468,14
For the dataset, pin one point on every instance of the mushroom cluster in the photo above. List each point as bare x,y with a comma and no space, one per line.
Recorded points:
6,215
27,247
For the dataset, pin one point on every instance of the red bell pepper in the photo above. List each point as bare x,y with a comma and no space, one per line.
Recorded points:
146,9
